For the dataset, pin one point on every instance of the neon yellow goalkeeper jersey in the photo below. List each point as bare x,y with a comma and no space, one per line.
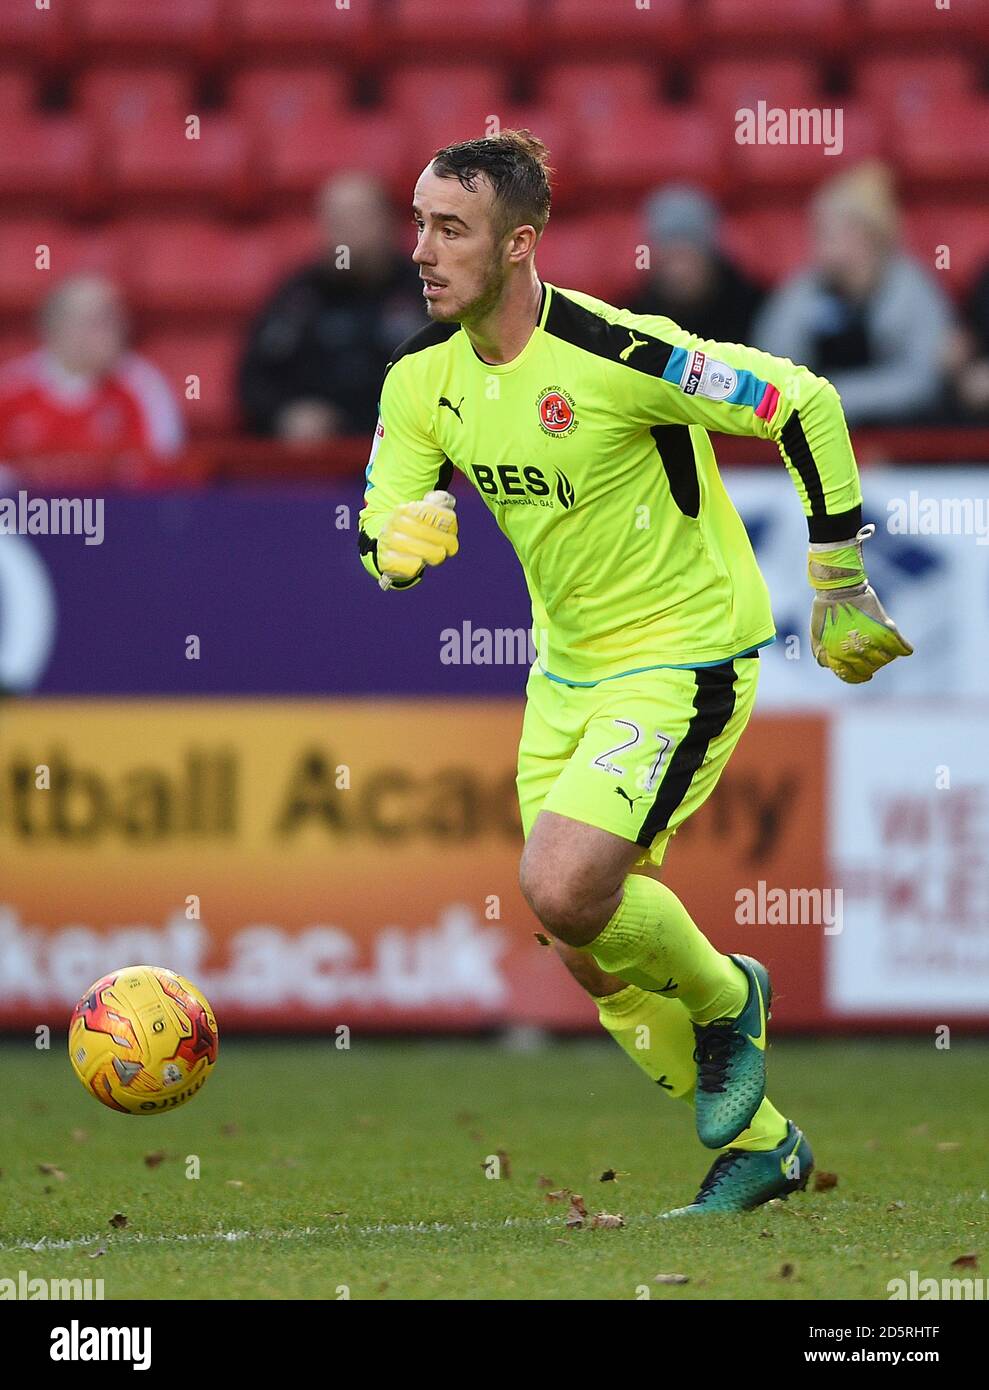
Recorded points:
591,450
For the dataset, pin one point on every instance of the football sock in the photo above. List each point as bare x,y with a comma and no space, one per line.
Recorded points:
652,941
656,1033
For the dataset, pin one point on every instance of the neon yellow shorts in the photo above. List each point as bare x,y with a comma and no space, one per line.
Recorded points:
635,755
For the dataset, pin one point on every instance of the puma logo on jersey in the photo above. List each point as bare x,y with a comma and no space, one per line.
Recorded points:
630,799
450,406
626,353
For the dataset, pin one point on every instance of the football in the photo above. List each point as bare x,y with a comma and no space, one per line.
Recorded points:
143,1040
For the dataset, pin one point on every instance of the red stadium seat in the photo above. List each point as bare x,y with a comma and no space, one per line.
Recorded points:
629,153
15,343
157,163
901,86
595,253
22,285
792,168
896,19
48,160
118,97
727,84
820,20
589,25
961,227
194,267
210,355
556,132
292,242
945,143
272,98
427,26
38,35
309,151
303,27
434,105
431,94
771,244
596,91
120,27
17,93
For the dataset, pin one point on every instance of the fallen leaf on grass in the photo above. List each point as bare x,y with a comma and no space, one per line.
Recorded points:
234,1182
543,1181
153,1159
51,1171
577,1214
118,1221
896,1206
970,1261
766,1233
608,1222
823,1182
95,1254
948,1147
671,1279
612,1175
785,1271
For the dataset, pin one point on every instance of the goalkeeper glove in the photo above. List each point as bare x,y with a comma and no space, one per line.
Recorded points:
850,631
417,534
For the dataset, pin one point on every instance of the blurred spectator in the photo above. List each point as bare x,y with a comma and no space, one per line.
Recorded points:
866,315
82,392
318,350
970,354
692,281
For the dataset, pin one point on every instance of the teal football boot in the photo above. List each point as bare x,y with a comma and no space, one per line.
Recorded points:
731,1063
740,1179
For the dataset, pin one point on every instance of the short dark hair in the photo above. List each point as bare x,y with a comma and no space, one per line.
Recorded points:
515,162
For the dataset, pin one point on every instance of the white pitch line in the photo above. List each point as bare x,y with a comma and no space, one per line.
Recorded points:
291,1233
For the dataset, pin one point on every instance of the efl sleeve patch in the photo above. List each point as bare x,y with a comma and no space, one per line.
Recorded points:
706,376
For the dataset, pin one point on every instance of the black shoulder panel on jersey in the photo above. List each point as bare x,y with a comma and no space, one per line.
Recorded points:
584,329
430,336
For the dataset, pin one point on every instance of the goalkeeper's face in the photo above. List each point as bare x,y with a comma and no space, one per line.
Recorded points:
461,258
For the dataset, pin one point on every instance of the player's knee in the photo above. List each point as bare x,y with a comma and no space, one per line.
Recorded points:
564,906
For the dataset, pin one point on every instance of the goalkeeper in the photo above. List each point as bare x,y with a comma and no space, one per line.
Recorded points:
584,428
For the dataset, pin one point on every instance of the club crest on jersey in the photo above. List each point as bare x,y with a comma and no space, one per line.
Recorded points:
704,376
556,413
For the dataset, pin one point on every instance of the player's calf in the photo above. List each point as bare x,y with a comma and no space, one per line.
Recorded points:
586,971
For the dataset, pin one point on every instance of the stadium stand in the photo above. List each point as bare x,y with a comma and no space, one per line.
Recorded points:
96,162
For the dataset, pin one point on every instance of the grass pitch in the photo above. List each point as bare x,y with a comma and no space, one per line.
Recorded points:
363,1170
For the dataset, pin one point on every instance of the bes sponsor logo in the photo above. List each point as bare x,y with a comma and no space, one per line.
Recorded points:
556,412
509,484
